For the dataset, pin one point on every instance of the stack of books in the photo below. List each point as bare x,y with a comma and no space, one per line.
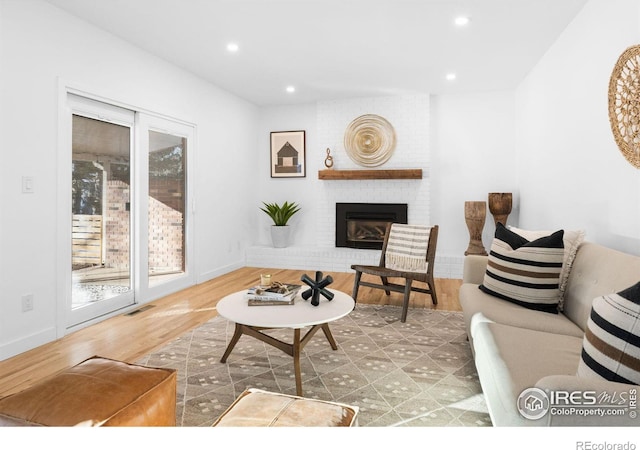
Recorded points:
276,294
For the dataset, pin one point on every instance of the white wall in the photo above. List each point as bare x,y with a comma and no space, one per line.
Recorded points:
41,45
572,174
279,190
472,154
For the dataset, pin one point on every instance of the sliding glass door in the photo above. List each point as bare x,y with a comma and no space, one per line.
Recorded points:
166,202
129,228
101,209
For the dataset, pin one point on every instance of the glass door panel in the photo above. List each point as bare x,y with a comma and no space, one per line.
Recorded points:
101,214
167,207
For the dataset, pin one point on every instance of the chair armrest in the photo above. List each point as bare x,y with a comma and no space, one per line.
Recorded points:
605,392
474,268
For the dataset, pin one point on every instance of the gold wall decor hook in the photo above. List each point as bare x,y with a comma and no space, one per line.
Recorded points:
328,161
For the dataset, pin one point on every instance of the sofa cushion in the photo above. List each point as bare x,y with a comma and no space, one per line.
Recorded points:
597,270
611,346
511,359
525,272
571,240
480,306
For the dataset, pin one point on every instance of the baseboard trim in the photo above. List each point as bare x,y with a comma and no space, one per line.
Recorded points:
27,343
336,259
211,274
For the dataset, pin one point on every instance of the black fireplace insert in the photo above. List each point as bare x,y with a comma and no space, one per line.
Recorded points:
362,225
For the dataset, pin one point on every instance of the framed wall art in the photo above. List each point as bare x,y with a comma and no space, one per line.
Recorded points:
288,154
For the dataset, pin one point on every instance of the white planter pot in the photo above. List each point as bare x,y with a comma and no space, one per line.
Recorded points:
280,236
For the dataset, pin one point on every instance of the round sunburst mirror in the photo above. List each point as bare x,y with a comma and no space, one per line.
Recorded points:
370,140
624,104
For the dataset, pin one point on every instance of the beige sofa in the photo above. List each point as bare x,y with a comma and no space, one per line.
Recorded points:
517,348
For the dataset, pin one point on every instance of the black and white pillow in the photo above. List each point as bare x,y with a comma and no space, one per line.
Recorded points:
611,345
572,240
525,272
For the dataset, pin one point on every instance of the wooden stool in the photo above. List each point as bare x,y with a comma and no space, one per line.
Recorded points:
258,408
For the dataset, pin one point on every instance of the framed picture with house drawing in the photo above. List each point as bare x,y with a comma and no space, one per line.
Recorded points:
288,154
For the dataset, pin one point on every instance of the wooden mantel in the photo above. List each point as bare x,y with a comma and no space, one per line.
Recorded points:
377,174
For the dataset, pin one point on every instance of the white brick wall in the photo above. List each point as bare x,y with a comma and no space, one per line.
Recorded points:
327,259
331,259
409,115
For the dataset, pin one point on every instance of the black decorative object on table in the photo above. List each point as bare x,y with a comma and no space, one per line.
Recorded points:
317,288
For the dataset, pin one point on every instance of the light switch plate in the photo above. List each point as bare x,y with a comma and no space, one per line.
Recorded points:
27,185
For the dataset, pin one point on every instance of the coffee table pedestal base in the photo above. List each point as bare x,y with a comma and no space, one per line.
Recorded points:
292,349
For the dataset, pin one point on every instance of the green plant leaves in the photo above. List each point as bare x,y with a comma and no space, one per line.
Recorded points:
280,214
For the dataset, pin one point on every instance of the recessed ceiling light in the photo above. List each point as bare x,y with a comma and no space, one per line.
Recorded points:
450,76
461,21
232,47
291,89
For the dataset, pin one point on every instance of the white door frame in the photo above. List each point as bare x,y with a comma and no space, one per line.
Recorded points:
107,113
151,122
144,121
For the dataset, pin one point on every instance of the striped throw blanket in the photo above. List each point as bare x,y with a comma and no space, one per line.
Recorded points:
407,248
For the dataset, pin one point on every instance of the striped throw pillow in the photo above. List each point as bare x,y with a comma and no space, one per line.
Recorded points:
523,272
572,240
611,345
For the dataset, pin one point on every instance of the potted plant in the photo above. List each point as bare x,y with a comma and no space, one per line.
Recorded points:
280,215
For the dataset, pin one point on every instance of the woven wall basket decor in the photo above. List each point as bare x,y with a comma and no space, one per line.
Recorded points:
624,104
370,140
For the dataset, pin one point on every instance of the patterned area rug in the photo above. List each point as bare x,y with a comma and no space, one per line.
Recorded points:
418,373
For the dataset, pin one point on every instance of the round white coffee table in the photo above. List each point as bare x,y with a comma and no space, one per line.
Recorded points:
251,319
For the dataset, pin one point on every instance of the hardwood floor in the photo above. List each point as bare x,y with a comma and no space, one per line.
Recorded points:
128,337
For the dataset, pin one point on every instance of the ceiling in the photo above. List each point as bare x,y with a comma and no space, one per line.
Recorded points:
335,49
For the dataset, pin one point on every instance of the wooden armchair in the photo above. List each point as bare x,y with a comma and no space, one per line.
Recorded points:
408,252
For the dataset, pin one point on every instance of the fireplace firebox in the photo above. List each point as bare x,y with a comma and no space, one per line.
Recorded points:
362,225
